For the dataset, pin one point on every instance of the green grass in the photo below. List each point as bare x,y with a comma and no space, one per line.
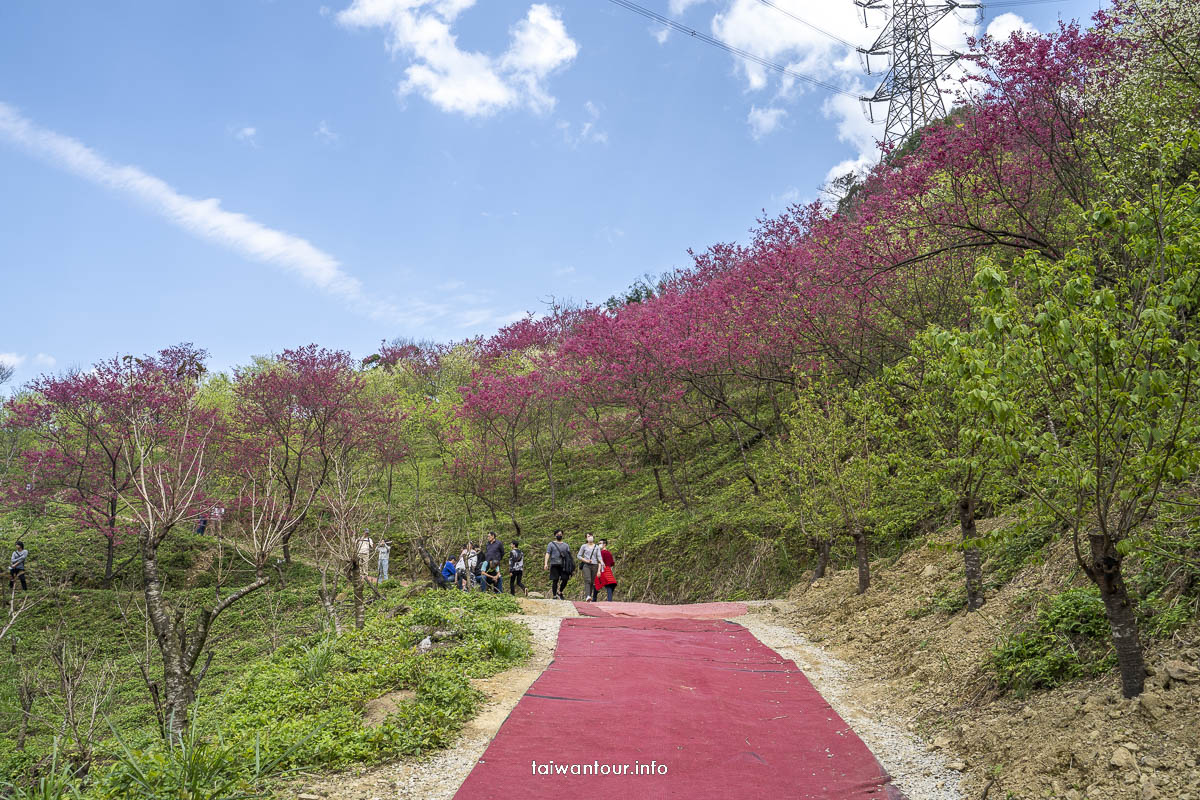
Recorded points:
274,669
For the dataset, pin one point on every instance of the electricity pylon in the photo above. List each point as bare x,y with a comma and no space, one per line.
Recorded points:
910,87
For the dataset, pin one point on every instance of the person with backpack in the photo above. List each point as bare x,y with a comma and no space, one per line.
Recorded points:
560,565
589,566
516,569
16,567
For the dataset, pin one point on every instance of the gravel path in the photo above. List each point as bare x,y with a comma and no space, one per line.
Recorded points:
922,774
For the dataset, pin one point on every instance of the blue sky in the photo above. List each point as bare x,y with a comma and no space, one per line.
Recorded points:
252,175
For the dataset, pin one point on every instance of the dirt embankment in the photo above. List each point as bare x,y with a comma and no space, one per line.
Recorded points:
1081,740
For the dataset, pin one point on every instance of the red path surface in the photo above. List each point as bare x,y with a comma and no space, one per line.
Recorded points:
726,715
652,611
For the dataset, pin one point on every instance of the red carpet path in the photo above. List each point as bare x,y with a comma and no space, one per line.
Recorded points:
727,716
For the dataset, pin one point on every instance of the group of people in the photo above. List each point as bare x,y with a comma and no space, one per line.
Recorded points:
364,545
482,567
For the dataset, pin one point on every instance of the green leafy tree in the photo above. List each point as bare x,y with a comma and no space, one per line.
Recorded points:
835,454
1111,337
952,407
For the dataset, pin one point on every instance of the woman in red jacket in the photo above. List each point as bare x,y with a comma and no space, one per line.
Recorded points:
605,579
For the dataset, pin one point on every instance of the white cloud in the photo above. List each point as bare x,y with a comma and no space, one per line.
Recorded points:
855,128
677,7
562,272
204,219
461,81
12,360
1007,24
44,360
763,121
247,135
325,134
765,32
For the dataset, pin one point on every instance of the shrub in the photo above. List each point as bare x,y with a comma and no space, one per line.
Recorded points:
190,767
327,684
1068,639
58,783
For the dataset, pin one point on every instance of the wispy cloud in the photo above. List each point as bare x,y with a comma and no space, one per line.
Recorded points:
587,132
325,133
12,360
204,219
764,121
247,135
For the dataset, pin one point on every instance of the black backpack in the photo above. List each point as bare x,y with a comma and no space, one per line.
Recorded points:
566,560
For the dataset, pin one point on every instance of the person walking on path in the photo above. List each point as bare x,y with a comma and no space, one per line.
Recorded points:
558,562
606,580
493,553
589,564
383,550
16,567
516,569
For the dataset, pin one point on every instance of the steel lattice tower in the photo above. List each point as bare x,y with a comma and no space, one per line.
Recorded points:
910,87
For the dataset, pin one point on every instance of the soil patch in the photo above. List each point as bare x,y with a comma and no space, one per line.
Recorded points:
927,670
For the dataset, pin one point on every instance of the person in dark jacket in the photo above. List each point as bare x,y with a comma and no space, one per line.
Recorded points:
516,569
557,563
493,553
16,567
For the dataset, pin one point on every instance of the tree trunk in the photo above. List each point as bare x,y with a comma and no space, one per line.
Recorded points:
329,603
356,579
177,691
25,694
434,568
972,561
108,557
662,496
1106,572
864,563
822,546
287,550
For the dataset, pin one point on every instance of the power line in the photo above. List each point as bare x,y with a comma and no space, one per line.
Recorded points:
784,11
728,48
1019,3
